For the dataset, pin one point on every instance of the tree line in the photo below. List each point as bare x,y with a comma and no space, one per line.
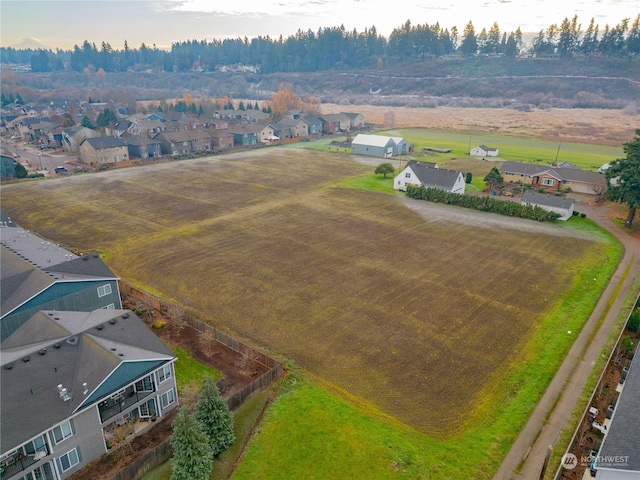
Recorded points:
335,48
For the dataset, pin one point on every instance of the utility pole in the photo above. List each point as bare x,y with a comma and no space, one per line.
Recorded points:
558,151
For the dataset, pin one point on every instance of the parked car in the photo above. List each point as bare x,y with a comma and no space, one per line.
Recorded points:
60,169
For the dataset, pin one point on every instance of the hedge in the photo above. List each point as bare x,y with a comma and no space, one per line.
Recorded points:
482,203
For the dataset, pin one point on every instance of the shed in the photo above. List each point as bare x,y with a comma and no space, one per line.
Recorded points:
483,151
374,145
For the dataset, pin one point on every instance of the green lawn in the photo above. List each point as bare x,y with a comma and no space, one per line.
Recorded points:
189,370
585,156
245,418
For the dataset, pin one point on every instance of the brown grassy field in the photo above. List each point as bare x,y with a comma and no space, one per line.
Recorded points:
417,319
583,125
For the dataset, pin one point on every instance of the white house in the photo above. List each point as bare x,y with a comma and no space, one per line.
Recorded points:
551,203
483,151
430,176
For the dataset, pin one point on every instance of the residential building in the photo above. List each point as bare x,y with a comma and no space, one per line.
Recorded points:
554,177
74,384
36,274
314,124
356,120
291,128
430,176
483,151
141,146
72,137
184,142
551,203
103,150
619,455
221,140
335,123
246,135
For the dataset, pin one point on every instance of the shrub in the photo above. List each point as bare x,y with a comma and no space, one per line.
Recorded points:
158,324
576,213
583,215
634,320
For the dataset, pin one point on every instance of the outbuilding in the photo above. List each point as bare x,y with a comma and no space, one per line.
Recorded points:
551,203
374,145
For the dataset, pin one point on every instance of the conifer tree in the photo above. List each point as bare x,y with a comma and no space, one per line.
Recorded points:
213,413
192,455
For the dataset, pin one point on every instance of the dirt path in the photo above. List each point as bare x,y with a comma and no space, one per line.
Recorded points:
529,450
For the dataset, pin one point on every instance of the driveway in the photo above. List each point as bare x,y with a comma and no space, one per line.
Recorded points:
562,395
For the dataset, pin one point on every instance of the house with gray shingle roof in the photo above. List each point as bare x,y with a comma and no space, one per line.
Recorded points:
36,274
103,150
554,177
619,455
551,203
73,384
430,176
483,151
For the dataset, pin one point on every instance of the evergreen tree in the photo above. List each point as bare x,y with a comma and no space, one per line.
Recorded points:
213,413
494,179
241,106
192,456
255,107
86,122
19,100
469,45
623,178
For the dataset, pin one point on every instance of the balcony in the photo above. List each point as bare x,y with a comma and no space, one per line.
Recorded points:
20,460
113,406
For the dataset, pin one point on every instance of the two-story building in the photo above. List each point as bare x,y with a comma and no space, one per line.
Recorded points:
184,142
36,275
74,385
98,151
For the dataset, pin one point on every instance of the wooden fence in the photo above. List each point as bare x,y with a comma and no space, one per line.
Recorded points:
275,369
164,451
146,463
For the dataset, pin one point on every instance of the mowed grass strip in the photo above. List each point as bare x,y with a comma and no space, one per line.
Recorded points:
353,286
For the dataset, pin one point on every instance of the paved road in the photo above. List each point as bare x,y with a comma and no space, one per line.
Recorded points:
36,160
570,380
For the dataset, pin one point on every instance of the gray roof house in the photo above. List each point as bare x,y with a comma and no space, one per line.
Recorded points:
551,203
36,274
73,384
374,145
483,151
430,176
619,456
554,177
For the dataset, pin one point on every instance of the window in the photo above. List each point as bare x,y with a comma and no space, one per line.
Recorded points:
144,385
62,431
167,398
111,306
104,290
164,373
407,175
548,181
70,459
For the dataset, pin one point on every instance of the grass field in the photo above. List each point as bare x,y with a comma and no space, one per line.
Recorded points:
439,331
589,157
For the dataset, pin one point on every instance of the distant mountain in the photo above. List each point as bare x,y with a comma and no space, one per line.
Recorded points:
32,43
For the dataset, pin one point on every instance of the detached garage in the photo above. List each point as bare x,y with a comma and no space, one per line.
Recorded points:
375,145
551,203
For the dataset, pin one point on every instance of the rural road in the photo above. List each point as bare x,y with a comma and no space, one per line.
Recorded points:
528,452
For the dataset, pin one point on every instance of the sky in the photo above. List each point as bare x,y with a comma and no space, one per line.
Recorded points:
65,23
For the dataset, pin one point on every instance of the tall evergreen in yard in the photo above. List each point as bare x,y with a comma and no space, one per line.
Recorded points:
192,456
213,413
